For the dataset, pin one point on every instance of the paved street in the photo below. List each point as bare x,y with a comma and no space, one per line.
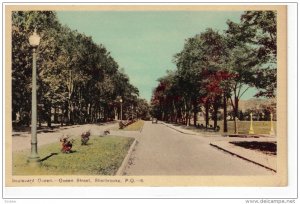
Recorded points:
164,151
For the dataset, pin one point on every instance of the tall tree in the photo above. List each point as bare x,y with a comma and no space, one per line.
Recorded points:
76,77
252,45
23,24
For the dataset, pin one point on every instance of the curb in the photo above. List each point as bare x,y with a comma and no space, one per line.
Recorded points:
141,129
244,158
126,159
177,129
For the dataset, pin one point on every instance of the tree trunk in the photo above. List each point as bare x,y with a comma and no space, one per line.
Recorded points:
195,117
49,116
195,112
215,106
105,114
225,128
236,115
206,114
55,114
90,113
69,112
62,116
187,120
67,116
236,105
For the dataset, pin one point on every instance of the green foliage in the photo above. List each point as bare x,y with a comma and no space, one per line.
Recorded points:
257,33
215,65
76,76
102,156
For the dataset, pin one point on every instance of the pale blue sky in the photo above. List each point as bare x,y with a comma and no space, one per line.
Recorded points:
144,42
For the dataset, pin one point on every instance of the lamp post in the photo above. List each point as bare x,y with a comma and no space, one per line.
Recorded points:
121,101
251,131
271,123
34,41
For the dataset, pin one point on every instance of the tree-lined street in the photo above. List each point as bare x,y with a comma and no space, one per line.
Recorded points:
78,83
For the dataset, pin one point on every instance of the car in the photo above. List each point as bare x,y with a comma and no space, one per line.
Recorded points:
154,120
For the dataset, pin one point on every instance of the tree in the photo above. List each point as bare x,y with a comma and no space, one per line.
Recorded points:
258,29
189,66
252,45
23,23
214,67
142,109
76,76
201,58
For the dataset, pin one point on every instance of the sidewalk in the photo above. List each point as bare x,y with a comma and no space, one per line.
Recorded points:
223,143
261,159
21,140
179,129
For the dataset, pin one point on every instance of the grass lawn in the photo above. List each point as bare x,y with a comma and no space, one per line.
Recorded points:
259,127
102,156
137,126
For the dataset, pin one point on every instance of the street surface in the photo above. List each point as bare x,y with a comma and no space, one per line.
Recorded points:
164,151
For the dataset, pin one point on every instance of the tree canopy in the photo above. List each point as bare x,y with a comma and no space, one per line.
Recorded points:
78,80
216,67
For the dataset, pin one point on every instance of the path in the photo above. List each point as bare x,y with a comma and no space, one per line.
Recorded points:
21,140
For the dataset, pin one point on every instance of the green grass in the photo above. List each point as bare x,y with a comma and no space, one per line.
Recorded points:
260,127
102,156
137,126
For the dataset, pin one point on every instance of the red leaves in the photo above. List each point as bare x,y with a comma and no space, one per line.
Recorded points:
161,87
215,84
162,96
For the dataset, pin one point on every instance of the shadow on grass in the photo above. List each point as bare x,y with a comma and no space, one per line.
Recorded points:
47,157
88,144
19,135
53,154
71,152
265,147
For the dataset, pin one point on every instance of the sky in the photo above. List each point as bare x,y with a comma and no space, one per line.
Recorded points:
143,43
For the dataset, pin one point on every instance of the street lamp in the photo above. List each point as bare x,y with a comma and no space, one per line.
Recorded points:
121,101
272,128
34,41
251,131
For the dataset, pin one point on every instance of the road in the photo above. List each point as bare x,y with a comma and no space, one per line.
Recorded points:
163,151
